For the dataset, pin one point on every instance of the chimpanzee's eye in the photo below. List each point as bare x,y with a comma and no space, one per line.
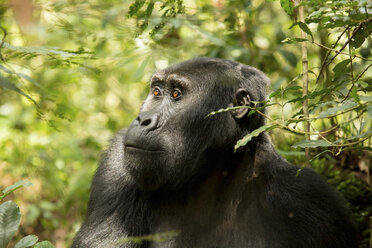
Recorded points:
156,92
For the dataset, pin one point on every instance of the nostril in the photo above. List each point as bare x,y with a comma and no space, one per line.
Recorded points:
146,122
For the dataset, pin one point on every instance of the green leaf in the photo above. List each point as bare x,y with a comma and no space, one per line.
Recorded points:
311,143
314,94
157,237
293,40
361,35
287,5
10,86
291,153
354,94
295,88
44,244
17,185
135,7
369,110
254,133
275,93
45,51
290,57
306,29
22,75
346,106
366,98
279,91
340,68
27,241
10,217
361,135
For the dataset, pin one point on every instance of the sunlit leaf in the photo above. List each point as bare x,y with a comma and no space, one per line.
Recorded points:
293,40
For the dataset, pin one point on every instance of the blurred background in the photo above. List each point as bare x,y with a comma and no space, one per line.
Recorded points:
74,72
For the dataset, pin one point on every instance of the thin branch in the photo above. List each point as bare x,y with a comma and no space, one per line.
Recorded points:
2,42
349,39
320,135
329,52
305,79
351,71
335,50
361,74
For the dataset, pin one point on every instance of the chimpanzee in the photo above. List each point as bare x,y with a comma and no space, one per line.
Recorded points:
175,170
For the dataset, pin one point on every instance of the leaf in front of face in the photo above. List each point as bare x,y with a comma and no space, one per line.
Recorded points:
10,218
251,135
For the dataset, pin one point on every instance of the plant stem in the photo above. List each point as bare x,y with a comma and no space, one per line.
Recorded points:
305,78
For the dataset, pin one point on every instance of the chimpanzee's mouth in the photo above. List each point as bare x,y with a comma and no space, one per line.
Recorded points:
131,147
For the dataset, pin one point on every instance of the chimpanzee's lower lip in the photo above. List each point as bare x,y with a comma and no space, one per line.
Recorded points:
136,148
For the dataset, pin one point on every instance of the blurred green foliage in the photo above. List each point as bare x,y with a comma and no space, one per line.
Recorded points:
72,73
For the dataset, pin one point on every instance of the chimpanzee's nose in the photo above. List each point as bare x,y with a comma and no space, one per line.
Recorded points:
148,121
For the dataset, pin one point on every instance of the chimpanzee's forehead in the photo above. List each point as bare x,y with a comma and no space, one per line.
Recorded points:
171,77
201,71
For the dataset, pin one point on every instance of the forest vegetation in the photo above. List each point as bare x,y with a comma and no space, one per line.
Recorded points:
74,72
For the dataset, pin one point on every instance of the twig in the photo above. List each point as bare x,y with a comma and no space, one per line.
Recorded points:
329,52
361,74
302,132
370,228
2,42
351,70
334,50
349,39
305,79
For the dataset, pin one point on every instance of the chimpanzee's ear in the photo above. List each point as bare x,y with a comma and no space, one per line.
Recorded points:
241,99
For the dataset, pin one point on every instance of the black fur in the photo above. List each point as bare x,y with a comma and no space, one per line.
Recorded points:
175,170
